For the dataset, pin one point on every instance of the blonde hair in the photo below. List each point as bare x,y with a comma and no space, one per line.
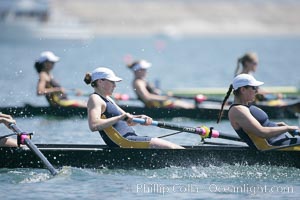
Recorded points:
248,57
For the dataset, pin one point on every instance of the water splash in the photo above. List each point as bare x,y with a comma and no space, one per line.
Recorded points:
35,177
245,172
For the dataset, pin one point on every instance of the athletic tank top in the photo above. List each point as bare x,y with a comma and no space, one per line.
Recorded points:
263,119
121,126
149,88
154,104
54,97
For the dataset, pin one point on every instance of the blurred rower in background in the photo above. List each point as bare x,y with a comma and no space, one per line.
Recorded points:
50,88
151,96
249,62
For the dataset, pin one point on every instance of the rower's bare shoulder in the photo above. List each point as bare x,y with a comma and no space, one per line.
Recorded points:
139,82
44,76
238,111
95,100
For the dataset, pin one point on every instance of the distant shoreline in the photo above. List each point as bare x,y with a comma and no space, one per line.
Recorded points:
189,17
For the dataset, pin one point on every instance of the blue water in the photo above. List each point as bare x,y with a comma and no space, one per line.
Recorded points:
177,63
181,63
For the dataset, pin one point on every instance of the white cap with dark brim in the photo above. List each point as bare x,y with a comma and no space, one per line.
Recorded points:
142,64
104,73
245,80
48,56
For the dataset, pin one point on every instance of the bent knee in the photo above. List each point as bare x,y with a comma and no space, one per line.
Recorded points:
163,144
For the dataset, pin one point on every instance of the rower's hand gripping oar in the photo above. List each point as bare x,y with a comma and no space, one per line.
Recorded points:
294,133
24,138
204,132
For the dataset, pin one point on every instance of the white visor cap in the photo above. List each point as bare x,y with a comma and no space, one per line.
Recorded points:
244,80
142,64
104,73
48,56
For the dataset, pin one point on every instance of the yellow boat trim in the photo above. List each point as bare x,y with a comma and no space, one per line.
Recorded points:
263,145
63,102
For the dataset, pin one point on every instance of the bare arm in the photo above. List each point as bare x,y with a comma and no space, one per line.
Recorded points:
142,91
96,106
6,119
240,117
129,117
41,87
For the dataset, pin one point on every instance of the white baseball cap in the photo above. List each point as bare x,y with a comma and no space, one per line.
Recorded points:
48,56
104,73
142,64
244,80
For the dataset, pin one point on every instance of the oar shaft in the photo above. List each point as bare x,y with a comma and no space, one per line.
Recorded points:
41,156
171,126
229,137
33,148
201,131
204,98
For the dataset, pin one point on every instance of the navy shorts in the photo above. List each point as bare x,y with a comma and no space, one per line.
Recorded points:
137,138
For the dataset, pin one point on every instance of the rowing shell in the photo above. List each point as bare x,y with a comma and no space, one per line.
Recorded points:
206,110
99,156
220,92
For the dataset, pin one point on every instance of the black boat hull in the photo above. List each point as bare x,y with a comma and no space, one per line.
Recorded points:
99,156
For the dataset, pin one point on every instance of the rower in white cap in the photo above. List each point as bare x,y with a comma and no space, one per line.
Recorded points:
113,123
48,86
148,94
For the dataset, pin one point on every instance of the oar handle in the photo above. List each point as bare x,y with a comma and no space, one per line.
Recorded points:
15,128
204,132
295,132
143,121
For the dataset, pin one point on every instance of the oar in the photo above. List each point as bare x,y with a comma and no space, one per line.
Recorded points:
23,138
204,132
76,92
197,98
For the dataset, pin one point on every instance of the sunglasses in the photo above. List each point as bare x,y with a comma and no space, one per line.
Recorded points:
108,80
253,87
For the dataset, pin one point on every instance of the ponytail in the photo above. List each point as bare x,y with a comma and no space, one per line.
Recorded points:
88,80
38,66
223,103
237,67
248,57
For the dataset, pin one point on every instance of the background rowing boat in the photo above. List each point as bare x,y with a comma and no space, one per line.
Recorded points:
221,91
206,110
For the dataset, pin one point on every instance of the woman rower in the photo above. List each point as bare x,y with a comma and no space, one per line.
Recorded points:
7,142
249,63
249,120
54,93
113,123
150,95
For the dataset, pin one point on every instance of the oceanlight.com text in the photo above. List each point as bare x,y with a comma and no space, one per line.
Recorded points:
163,189
250,189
